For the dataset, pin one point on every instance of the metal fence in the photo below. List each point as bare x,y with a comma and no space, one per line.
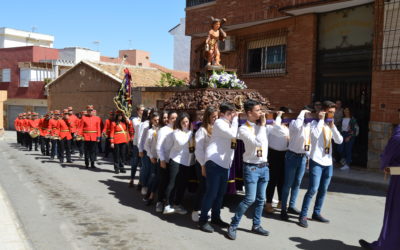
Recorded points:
387,39
191,3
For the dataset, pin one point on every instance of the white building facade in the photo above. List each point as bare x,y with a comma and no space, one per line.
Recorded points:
10,38
181,47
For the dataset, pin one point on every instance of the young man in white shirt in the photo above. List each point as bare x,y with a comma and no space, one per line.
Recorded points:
219,156
321,169
135,160
295,161
255,168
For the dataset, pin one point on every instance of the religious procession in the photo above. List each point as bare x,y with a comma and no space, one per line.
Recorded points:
281,136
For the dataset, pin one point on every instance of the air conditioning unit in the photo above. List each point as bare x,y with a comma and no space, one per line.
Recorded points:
227,45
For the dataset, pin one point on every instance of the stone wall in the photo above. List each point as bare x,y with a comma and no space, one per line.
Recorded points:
379,134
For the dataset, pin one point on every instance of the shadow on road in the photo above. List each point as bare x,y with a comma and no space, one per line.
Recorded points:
326,244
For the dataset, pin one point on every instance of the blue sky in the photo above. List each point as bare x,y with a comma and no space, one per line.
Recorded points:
79,23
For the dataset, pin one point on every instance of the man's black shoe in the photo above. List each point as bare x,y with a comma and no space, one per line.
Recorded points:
69,161
231,233
206,227
284,216
365,244
292,210
303,222
61,160
92,165
259,230
220,223
123,170
318,217
116,170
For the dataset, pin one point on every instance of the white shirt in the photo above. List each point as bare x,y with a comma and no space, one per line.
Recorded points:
202,142
180,148
219,150
150,143
136,123
346,124
278,135
300,135
254,138
143,127
317,140
164,142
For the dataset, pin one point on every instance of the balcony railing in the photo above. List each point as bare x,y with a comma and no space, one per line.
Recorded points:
191,3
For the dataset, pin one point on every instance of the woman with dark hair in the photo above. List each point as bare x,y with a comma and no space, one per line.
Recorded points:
163,148
145,160
163,119
119,139
349,130
181,161
202,137
150,148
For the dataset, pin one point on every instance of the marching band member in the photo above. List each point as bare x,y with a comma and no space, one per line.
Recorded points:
65,137
53,124
45,134
119,139
106,133
89,128
321,169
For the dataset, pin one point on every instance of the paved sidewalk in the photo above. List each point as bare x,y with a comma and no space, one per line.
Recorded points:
12,236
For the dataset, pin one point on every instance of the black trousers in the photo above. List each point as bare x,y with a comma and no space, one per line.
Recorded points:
201,188
276,161
108,149
163,174
64,147
19,137
79,145
73,144
35,141
119,154
28,139
44,145
90,152
54,149
182,183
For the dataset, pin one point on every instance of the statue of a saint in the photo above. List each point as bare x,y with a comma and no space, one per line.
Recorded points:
215,34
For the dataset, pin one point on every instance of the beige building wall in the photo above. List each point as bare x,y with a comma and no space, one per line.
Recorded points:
3,98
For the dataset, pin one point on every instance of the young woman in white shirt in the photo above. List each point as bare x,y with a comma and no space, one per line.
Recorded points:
150,148
181,161
145,160
278,138
202,137
163,148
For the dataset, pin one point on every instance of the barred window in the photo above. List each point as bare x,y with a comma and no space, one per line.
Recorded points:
388,26
267,56
191,3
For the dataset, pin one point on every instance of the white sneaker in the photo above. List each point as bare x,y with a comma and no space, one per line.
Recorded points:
168,210
159,207
195,216
345,167
144,190
180,210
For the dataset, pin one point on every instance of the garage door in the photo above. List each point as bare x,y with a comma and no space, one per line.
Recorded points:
12,113
40,110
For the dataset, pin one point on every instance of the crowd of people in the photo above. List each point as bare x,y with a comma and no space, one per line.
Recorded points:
168,148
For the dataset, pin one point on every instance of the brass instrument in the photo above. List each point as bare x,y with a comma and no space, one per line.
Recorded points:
79,138
34,133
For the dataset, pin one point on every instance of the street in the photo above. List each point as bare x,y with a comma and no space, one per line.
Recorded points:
69,207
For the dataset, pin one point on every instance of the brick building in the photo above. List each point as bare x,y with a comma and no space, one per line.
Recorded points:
298,51
23,76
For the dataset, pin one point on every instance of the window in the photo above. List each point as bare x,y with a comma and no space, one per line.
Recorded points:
34,75
387,52
5,75
191,3
269,59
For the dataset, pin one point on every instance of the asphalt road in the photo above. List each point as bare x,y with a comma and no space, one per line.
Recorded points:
69,207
